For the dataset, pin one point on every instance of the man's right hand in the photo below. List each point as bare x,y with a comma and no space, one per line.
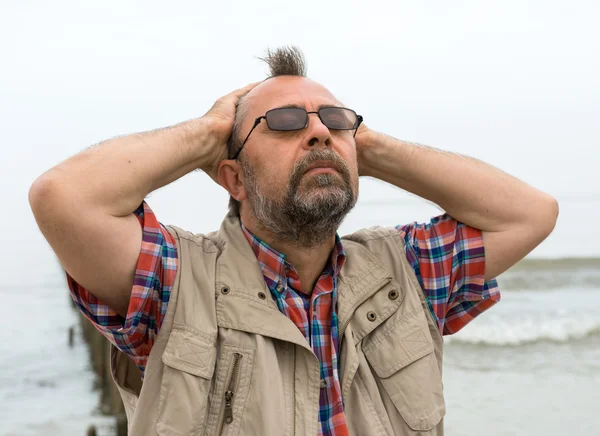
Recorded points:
220,118
84,205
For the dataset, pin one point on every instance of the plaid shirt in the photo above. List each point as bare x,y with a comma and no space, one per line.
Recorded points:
447,257
313,314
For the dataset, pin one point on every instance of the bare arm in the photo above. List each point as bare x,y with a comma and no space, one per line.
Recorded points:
84,206
513,216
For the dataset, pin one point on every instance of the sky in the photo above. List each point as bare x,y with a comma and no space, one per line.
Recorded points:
513,83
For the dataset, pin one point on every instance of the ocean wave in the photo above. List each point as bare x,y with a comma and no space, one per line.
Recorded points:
553,262
527,332
544,274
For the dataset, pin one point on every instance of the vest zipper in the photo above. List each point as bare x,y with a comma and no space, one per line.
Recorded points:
229,393
294,391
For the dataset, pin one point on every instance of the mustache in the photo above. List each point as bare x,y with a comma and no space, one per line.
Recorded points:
319,155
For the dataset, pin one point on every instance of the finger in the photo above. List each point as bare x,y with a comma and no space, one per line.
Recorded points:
245,90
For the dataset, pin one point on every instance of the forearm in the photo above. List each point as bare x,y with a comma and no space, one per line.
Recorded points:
116,175
469,190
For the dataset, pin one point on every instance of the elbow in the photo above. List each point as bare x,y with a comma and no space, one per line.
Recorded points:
553,211
38,191
548,216
43,196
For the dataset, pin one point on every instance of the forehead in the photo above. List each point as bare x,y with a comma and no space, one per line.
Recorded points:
285,90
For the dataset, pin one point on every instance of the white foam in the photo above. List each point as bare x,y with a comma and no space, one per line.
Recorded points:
517,332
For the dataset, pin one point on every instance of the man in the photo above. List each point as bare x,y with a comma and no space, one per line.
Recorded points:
274,324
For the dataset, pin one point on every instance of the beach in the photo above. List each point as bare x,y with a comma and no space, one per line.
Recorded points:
531,366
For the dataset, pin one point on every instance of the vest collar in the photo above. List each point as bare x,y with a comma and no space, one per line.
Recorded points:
247,303
237,267
238,270
362,276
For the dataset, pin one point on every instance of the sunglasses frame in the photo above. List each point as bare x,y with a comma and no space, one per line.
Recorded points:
359,120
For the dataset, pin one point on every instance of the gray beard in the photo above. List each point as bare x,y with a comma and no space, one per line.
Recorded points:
309,218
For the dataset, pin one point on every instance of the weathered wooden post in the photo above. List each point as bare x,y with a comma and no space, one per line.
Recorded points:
121,425
71,336
99,349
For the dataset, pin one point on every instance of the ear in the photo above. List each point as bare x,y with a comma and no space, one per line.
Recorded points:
230,176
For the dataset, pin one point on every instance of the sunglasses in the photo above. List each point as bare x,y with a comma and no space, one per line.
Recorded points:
287,119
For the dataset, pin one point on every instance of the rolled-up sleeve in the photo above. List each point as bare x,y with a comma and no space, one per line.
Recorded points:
154,278
448,258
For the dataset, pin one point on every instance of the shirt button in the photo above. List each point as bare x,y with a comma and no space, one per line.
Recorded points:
323,383
279,288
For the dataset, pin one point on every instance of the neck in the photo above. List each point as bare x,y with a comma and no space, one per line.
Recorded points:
308,262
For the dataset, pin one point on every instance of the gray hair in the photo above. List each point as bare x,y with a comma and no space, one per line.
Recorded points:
283,61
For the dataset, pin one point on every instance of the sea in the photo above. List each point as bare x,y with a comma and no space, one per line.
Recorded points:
529,366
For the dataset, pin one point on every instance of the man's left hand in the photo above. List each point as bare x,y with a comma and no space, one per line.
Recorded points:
364,140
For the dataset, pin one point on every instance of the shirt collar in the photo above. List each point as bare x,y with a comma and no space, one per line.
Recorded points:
274,266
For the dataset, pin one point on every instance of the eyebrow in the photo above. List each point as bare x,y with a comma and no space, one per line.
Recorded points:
298,106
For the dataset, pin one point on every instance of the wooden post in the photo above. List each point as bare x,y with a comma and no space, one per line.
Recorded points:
99,350
121,425
71,336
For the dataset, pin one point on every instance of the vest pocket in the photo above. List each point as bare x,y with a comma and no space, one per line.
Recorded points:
189,364
401,353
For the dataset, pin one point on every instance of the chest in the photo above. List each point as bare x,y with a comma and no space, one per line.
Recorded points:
259,375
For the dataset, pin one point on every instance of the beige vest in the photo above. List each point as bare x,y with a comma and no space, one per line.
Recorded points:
228,362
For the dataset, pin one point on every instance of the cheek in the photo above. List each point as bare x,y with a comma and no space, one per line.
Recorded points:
350,157
267,166
348,153
274,176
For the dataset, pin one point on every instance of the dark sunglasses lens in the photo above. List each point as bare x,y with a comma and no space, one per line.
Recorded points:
338,119
286,119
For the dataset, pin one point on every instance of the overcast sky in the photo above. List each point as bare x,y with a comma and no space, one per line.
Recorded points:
514,83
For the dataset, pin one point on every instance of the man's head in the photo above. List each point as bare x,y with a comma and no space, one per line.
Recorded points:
298,185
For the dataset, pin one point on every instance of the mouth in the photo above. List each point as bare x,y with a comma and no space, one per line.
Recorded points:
322,167
322,170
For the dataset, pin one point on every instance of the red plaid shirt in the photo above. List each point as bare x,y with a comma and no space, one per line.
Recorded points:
316,318
447,257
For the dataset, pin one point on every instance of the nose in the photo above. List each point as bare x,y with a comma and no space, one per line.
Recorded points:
317,132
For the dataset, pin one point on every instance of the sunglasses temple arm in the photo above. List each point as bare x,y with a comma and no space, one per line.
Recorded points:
360,120
237,153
